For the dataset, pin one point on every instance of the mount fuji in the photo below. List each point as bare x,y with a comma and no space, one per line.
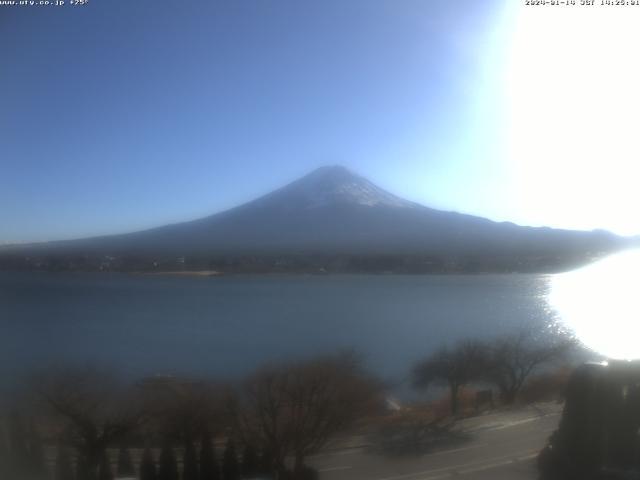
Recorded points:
331,213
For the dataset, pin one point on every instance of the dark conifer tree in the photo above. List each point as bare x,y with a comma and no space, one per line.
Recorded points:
168,466
63,469
82,469
104,471
209,468
230,466
4,455
19,458
250,461
125,463
36,463
190,462
266,462
148,466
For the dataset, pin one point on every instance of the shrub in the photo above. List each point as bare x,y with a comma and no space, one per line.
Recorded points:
545,386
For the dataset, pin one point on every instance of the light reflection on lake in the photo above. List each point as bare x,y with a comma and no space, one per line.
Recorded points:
600,304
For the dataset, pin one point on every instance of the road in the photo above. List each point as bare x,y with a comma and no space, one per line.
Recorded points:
501,446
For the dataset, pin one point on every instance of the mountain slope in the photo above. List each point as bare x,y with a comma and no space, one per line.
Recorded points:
333,211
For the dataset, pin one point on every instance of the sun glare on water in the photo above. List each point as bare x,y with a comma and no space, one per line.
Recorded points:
600,304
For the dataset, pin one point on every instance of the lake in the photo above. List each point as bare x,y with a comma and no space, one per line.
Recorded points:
226,326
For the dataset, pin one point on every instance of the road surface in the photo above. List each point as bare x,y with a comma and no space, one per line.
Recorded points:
501,446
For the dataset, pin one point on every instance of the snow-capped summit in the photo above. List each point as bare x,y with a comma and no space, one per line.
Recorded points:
333,185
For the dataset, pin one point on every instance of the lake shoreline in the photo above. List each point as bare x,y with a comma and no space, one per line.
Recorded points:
188,273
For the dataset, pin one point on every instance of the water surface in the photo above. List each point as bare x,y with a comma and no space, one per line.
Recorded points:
226,326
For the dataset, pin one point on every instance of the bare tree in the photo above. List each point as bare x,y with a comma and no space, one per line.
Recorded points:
295,409
262,414
183,408
513,358
95,410
453,367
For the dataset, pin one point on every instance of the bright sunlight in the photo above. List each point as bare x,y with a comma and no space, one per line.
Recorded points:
601,306
573,90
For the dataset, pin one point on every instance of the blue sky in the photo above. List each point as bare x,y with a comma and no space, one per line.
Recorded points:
120,115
